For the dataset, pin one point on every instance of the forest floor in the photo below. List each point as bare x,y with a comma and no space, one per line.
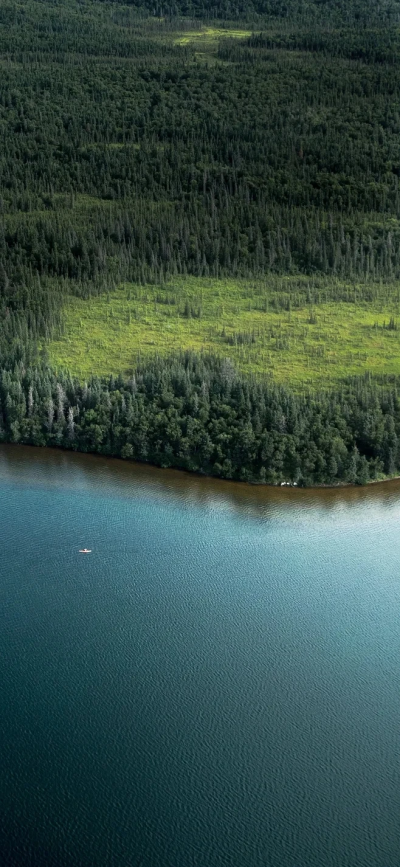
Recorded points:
263,326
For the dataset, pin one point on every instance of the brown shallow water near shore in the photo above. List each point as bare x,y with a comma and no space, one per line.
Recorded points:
74,469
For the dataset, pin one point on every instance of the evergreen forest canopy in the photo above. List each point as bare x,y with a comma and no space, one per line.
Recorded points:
146,142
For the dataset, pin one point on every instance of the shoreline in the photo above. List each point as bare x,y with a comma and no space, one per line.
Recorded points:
192,474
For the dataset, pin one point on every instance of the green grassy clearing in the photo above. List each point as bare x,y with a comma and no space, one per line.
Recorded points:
209,35
204,41
313,344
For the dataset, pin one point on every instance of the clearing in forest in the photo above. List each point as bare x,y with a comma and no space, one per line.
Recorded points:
305,333
209,35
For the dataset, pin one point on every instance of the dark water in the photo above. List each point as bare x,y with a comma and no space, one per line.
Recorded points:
218,683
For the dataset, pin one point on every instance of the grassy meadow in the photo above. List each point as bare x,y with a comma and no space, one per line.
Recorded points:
306,334
209,37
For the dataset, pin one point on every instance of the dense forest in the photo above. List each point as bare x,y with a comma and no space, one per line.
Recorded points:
136,145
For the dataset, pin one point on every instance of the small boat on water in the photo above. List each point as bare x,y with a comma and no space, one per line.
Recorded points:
85,551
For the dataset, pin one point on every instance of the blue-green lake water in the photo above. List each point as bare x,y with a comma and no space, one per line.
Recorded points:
216,685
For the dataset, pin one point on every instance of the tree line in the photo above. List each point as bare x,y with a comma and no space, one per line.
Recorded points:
198,414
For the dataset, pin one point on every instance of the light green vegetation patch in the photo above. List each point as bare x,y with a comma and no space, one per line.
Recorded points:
210,35
302,343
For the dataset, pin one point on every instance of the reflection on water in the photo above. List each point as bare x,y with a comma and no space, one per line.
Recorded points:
72,470
217,684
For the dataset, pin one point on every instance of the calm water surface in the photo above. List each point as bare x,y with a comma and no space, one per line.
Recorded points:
218,683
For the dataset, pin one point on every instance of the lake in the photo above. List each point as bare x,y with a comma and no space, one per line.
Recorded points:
215,685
